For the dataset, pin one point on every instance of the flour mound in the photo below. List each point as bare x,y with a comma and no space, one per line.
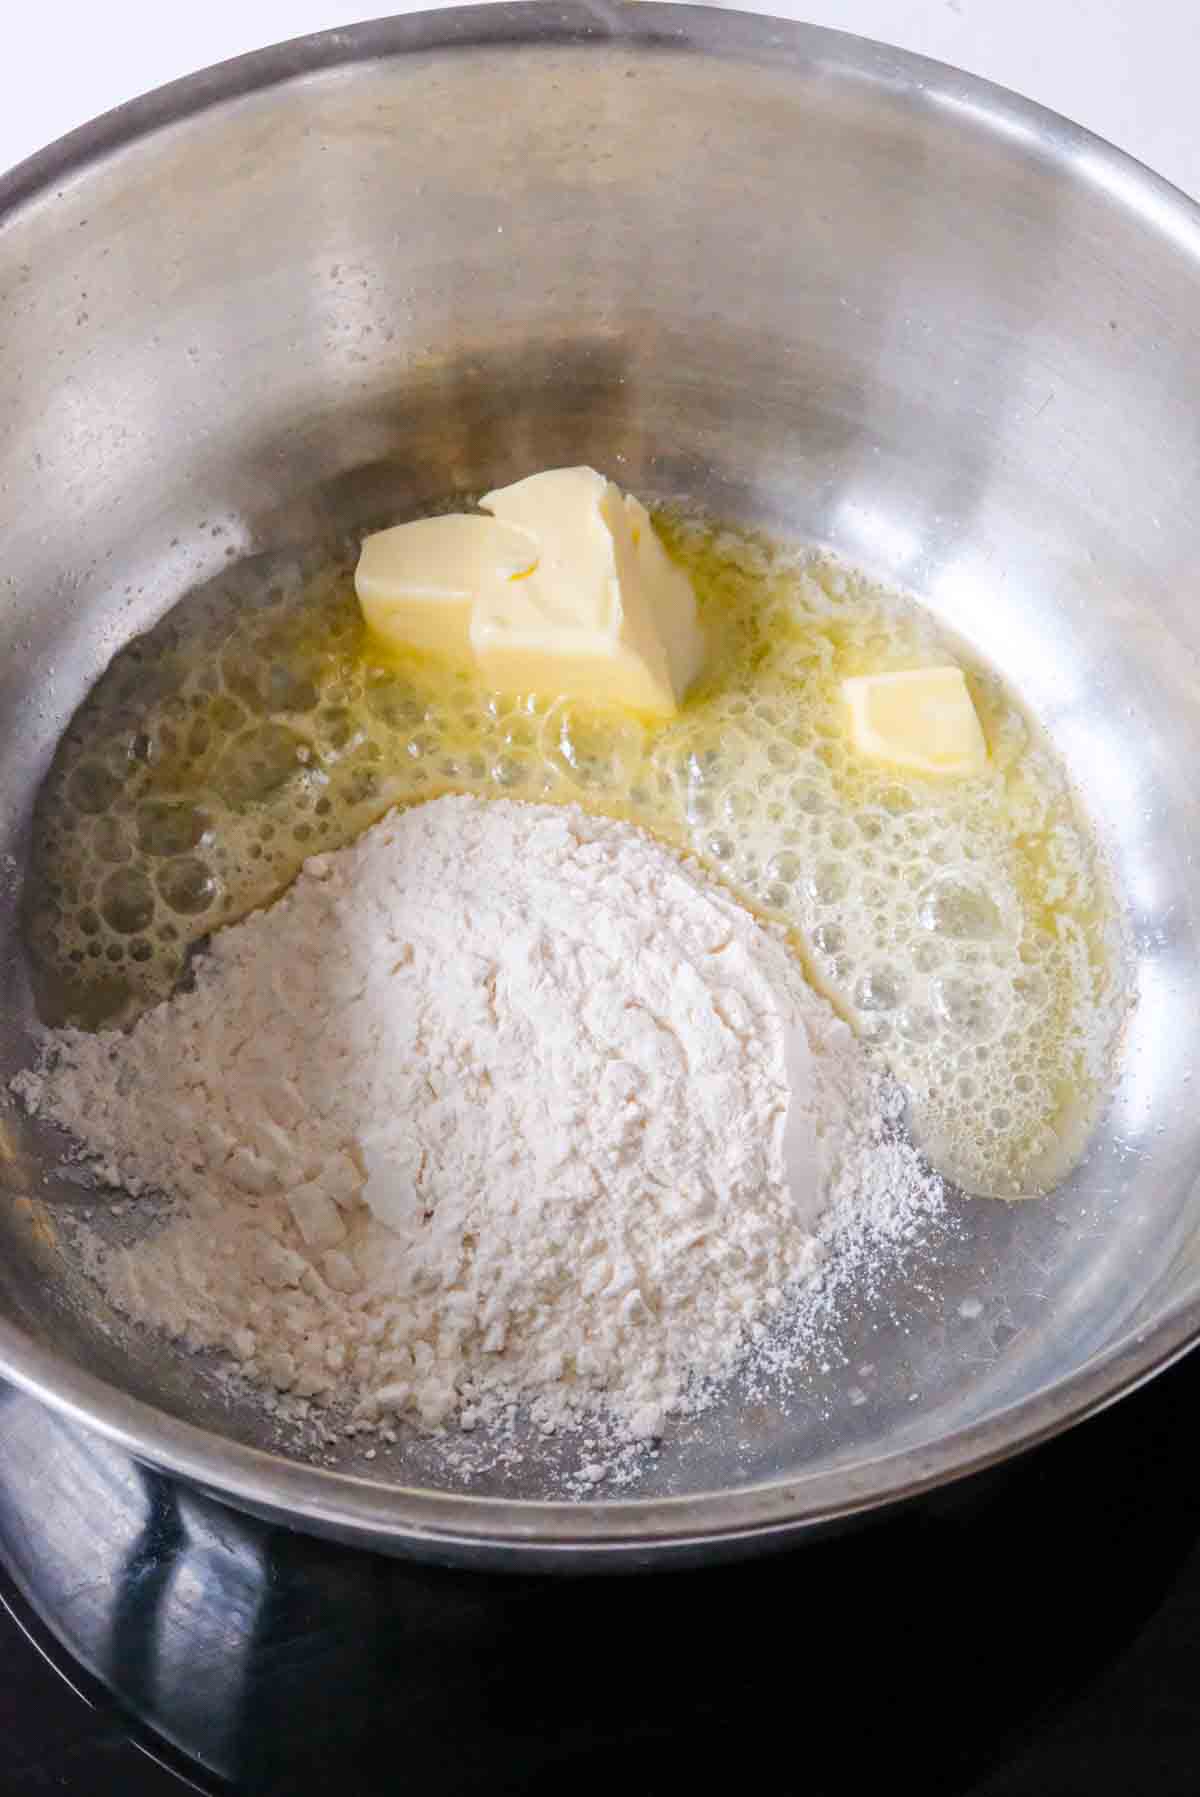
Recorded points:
502,1105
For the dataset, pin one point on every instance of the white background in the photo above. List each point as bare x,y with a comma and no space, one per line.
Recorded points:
1125,68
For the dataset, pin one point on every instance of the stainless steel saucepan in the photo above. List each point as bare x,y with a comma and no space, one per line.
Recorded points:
812,282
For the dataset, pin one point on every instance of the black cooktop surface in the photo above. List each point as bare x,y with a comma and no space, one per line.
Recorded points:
1036,1632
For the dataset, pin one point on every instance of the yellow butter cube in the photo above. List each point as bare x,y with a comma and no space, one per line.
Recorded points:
922,719
418,583
604,616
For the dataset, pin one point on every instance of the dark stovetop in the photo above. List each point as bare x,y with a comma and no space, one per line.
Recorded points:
1032,1635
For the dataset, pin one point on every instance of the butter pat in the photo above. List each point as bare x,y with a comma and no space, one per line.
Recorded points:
418,583
604,615
923,719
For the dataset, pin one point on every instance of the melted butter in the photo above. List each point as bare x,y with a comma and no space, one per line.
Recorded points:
966,928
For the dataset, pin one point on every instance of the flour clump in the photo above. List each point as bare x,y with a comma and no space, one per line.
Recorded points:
502,1105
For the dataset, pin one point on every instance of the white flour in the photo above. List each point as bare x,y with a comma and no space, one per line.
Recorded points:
501,1105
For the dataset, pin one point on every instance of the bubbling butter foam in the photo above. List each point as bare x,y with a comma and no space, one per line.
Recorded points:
965,927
